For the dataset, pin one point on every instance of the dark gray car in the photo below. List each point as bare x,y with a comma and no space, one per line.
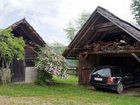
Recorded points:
112,78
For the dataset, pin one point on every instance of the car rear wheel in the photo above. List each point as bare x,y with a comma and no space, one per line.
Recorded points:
120,88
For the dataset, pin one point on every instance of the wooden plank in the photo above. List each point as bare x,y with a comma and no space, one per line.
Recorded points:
30,56
87,30
84,70
128,28
113,52
83,33
91,38
18,70
102,25
84,28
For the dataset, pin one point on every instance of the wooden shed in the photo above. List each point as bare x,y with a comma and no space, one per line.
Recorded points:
24,71
105,39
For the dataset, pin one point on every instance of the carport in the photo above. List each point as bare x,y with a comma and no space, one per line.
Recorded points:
105,39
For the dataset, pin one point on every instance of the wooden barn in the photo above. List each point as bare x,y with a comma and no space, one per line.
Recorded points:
24,71
105,39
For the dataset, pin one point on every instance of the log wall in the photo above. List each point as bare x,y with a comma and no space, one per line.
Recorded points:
30,56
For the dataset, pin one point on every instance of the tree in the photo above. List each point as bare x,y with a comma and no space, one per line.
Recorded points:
10,48
81,20
49,63
70,31
57,47
74,26
135,7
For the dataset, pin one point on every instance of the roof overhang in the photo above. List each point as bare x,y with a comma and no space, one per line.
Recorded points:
28,31
89,25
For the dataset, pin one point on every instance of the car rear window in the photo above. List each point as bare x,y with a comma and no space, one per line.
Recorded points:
104,72
116,72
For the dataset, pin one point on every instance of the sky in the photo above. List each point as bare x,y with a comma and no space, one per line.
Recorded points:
50,17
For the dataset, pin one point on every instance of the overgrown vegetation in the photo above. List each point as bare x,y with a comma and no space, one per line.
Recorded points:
48,64
10,48
59,48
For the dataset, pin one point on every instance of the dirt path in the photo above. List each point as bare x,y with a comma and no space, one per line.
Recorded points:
6,100
132,92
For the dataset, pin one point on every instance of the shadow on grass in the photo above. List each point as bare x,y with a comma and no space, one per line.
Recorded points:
133,91
59,84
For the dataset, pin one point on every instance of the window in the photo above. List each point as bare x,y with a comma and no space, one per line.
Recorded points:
104,72
116,72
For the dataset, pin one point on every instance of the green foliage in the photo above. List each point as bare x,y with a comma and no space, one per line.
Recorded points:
44,78
76,25
58,48
49,63
81,20
64,92
135,7
70,31
10,48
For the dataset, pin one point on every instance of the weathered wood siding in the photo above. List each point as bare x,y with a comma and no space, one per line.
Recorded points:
85,67
30,56
18,70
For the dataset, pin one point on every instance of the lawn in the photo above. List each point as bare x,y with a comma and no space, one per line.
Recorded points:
64,92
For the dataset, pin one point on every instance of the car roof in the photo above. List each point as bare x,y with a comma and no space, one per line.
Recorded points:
107,67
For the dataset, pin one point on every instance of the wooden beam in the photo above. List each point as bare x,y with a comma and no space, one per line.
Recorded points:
87,30
85,55
27,33
136,57
107,29
117,31
115,52
101,30
102,25
82,32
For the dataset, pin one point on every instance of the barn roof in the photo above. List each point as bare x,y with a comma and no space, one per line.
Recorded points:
23,28
132,30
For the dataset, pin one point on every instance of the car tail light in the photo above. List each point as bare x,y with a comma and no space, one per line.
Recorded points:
110,80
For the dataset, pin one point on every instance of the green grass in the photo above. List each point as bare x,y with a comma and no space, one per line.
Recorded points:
67,92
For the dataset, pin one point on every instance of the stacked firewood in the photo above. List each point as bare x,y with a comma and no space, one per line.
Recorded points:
113,46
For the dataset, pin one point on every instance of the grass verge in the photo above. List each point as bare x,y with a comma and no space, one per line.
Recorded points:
64,92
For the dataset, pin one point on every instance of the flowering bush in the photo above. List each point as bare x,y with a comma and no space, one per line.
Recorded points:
48,63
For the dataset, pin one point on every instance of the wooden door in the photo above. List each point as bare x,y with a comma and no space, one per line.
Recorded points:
18,71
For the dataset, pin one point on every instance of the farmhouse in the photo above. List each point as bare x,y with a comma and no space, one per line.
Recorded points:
23,70
105,39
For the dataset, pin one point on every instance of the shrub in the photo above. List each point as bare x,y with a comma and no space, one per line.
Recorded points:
48,63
